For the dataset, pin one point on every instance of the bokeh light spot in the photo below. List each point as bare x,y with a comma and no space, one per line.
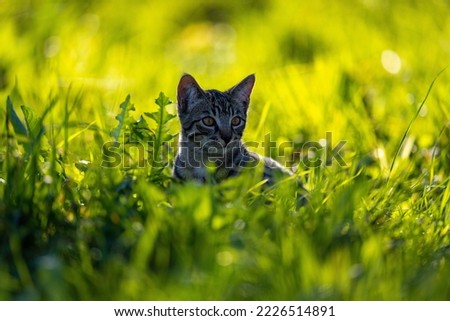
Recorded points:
224,258
52,47
391,61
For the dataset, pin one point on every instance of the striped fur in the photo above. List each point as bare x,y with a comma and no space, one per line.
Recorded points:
212,125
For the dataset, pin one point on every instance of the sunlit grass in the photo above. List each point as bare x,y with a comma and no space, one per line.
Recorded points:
375,228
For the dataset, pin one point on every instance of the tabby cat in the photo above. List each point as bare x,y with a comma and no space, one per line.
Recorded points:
212,125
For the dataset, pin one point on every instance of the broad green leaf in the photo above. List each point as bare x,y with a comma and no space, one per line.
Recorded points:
162,100
168,137
19,127
140,131
33,122
122,117
160,116
153,115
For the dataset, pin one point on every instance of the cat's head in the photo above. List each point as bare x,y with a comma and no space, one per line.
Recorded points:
212,115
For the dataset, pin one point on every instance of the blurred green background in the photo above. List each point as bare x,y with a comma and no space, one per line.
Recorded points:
358,69
320,61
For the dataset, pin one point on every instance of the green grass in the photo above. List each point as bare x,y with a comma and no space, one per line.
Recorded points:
78,84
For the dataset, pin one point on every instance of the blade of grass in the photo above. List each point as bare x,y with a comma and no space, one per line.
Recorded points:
67,112
445,198
411,122
18,126
433,155
262,119
33,168
73,136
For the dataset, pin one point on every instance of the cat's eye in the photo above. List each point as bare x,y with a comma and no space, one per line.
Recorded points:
208,121
236,121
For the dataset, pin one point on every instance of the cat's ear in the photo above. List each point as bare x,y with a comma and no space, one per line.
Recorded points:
242,91
187,92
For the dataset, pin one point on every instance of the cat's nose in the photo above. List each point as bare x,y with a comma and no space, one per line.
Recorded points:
226,136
